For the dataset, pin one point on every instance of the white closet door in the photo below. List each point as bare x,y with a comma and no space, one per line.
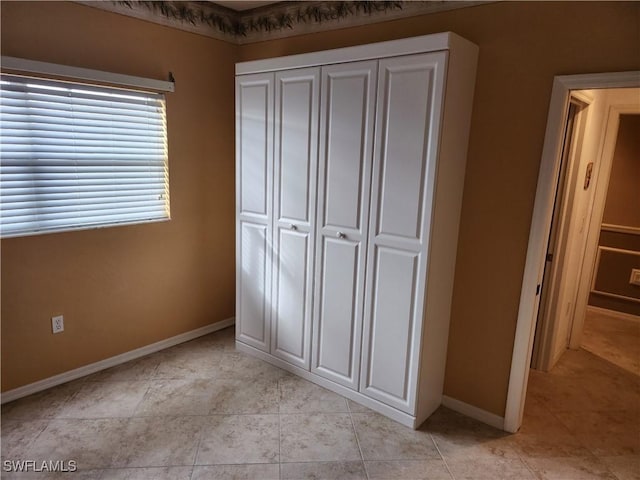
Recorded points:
344,178
296,150
410,93
254,165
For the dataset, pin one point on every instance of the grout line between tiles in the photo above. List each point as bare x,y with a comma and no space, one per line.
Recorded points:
195,455
82,383
33,440
521,457
141,467
355,433
570,431
279,445
528,467
135,409
279,430
435,444
314,462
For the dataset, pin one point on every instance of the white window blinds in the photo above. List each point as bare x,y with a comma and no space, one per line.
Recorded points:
77,156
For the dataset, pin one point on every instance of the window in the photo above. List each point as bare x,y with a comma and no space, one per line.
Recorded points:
76,156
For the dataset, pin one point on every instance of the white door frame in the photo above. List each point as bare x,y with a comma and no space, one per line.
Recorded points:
541,225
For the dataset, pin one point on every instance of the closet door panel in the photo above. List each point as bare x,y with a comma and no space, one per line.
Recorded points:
255,98
296,137
404,121
295,164
392,322
407,131
346,132
337,328
254,151
254,283
344,161
292,266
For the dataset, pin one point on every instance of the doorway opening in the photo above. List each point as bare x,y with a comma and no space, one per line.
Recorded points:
558,280
593,244
580,141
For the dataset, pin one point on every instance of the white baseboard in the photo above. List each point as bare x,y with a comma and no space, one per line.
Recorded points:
613,313
474,412
61,378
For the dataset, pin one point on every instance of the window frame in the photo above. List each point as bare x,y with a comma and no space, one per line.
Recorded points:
87,80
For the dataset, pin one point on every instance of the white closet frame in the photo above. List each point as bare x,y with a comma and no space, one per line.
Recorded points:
447,178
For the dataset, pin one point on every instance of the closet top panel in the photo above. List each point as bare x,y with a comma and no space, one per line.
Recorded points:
406,46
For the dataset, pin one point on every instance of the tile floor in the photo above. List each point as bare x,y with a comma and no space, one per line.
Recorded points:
614,339
201,411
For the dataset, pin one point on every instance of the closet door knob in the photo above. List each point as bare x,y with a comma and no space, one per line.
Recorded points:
341,235
293,227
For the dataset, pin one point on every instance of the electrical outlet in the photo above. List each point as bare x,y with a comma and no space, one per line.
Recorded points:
57,324
635,277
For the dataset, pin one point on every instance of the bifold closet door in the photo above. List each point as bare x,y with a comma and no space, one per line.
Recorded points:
254,165
296,149
344,178
410,91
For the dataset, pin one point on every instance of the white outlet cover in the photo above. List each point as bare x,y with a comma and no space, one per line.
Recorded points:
57,324
635,277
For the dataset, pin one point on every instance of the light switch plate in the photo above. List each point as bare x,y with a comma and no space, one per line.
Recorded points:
635,277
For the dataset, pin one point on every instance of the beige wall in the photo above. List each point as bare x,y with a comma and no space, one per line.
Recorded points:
125,287
622,208
107,281
522,46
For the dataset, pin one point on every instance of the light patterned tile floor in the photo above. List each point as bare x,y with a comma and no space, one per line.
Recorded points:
202,411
